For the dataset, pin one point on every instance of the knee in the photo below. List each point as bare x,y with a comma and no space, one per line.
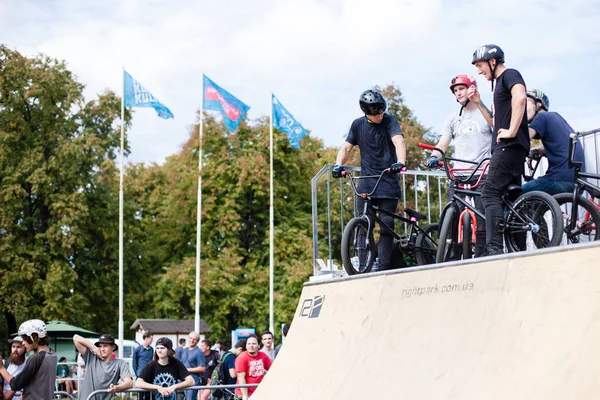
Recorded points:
386,233
389,221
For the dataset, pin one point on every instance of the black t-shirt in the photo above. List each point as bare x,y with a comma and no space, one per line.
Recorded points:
503,111
211,363
377,152
164,375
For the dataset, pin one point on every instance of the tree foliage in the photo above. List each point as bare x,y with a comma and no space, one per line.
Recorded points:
56,191
59,210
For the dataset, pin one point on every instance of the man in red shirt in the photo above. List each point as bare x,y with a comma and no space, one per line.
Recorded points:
251,366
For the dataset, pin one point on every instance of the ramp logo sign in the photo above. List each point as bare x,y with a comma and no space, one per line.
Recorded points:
311,308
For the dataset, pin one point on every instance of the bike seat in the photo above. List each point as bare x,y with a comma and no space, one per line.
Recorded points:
513,188
513,192
593,192
414,214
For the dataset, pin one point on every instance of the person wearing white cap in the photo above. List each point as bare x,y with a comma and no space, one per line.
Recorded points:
36,380
16,363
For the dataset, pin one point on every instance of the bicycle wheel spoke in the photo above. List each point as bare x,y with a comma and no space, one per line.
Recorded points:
533,224
584,227
358,248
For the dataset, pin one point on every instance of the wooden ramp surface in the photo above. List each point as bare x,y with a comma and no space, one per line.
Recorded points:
514,327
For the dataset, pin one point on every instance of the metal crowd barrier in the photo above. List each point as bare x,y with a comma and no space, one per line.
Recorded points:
61,394
134,390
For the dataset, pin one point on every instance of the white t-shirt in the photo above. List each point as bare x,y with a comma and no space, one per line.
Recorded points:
471,136
13,370
271,353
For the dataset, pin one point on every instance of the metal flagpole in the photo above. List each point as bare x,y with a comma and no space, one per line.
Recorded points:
121,331
271,224
199,216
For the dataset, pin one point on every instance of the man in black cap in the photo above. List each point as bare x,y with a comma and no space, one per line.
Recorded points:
102,370
164,372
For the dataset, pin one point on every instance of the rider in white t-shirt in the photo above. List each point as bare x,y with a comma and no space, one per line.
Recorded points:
466,129
471,136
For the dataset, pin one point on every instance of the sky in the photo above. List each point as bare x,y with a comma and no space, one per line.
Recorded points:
317,56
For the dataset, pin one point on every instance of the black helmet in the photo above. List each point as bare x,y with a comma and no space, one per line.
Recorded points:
372,102
487,52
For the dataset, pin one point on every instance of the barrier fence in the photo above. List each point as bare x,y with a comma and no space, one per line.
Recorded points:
64,395
333,202
134,390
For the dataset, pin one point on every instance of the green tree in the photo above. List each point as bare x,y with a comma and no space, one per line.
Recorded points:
235,227
56,169
59,210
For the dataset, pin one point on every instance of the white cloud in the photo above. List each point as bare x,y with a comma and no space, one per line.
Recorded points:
316,55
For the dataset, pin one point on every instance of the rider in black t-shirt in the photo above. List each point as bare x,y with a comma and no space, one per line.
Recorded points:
510,143
381,143
164,373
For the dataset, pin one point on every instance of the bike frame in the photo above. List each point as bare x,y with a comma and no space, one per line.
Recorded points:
507,203
370,211
461,187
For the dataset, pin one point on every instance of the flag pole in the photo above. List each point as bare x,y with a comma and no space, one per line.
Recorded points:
199,215
121,329
271,218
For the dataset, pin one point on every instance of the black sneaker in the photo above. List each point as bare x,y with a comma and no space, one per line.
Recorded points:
492,250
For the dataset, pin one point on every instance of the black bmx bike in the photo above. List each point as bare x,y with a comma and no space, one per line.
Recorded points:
359,249
531,221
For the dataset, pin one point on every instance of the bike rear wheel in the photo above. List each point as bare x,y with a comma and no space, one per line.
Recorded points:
448,248
536,224
588,219
426,244
358,247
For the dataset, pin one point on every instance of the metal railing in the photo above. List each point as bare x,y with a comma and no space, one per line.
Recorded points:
591,147
60,394
135,390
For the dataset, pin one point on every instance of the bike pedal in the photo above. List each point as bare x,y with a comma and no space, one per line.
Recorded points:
501,225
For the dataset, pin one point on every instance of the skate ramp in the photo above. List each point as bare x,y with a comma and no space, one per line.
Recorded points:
514,327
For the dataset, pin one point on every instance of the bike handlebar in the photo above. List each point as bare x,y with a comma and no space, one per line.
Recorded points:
450,171
427,146
379,177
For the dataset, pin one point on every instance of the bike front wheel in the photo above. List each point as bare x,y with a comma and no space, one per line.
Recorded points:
467,237
426,244
448,248
587,221
535,223
358,247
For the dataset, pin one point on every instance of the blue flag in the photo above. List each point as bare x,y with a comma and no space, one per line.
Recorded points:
284,121
137,96
216,98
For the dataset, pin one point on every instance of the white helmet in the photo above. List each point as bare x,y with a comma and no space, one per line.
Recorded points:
33,326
